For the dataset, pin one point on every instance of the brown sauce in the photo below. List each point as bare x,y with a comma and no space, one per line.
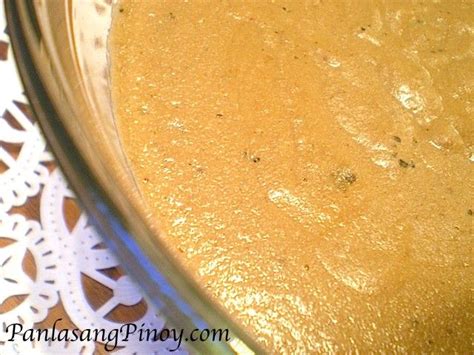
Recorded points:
311,162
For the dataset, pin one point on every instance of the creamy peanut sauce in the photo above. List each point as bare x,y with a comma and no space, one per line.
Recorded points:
311,162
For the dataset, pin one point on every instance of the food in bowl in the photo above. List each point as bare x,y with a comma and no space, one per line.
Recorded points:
310,162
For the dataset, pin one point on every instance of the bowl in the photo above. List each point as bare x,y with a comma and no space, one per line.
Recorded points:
61,51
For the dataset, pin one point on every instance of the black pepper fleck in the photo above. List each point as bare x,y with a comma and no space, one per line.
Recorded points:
397,139
470,212
405,164
344,177
251,157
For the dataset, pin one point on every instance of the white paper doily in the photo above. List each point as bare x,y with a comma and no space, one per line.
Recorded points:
66,254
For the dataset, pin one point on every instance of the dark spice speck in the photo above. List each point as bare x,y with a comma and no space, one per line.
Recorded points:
251,157
397,139
344,177
405,164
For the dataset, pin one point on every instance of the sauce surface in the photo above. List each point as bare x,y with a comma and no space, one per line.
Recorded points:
311,162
